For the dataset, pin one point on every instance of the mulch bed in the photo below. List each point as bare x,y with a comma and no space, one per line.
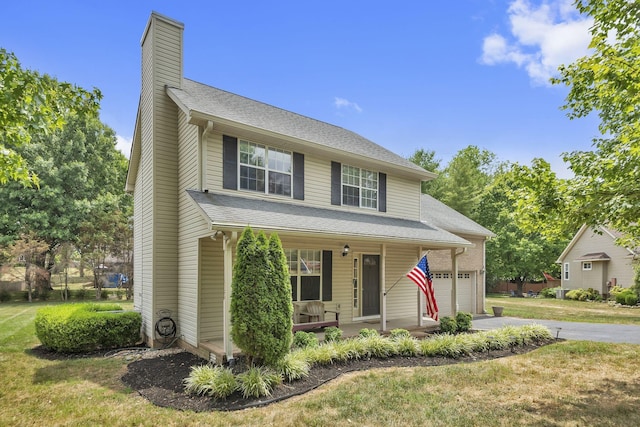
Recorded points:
159,379
158,375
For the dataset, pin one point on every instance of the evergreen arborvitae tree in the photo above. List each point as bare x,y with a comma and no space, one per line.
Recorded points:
280,287
261,299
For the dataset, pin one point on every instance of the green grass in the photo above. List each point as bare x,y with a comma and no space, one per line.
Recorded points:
568,383
563,310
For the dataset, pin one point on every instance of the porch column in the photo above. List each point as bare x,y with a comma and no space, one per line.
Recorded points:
227,247
454,282
383,286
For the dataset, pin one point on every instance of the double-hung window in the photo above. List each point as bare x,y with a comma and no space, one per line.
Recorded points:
305,271
359,187
265,169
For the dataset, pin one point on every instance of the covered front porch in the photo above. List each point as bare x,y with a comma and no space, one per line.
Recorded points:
216,348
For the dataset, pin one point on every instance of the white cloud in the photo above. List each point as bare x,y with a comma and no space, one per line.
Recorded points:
542,37
124,145
342,103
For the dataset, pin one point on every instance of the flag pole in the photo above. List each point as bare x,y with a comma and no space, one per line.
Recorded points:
400,278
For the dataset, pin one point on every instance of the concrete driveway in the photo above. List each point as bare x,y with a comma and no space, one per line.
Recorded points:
602,332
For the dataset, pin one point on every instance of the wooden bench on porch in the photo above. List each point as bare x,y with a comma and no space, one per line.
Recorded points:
314,312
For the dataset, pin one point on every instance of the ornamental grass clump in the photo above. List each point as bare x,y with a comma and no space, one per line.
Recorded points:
379,346
332,334
294,366
258,382
407,346
214,381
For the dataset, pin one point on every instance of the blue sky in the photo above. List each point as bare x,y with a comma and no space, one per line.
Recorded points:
407,74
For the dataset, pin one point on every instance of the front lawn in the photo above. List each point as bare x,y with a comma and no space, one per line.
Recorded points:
563,310
568,383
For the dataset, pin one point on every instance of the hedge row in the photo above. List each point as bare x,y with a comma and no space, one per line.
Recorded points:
74,328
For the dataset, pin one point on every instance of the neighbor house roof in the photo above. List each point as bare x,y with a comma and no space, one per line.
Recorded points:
597,256
203,102
436,213
604,230
229,211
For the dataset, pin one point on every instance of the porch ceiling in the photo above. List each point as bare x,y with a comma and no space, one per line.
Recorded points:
236,212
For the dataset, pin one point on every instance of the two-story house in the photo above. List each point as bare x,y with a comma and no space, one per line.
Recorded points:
206,163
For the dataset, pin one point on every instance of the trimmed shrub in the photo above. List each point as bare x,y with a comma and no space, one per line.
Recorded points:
261,307
448,325
584,295
74,328
332,334
631,299
399,333
463,320
368,332
626,293
548,292
303,339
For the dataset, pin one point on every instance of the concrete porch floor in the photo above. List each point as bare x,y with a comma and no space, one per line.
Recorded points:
215,348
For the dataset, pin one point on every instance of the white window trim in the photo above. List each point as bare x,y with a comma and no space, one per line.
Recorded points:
361,189
265,168
566,271
300,275
587,265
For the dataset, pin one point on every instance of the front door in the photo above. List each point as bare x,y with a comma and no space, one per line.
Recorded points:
370,285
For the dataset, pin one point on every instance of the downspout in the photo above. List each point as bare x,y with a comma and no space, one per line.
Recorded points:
202,156
454,279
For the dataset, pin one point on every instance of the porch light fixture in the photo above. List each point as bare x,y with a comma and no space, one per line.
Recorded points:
345,250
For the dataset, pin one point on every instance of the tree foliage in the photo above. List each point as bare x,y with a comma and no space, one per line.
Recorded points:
462,182
261,307
516,253
33,104
427,160
606,187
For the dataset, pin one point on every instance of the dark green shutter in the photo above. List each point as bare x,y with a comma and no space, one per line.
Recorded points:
336,183
298,176
327,276
382,192
230,162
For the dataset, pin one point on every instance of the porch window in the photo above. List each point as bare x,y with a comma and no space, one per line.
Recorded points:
305,271
359,187
587,265
265,169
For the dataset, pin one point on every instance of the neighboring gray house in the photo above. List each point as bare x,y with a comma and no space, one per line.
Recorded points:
593,260
206,163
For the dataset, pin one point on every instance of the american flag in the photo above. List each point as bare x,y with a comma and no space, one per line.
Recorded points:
421,276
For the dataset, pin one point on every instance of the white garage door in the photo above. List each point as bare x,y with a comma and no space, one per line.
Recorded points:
442,288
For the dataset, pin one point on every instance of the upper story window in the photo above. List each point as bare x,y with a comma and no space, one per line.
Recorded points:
265,169
359,187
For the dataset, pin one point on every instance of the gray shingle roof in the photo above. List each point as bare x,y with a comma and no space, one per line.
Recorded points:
436,213
225,210
198,97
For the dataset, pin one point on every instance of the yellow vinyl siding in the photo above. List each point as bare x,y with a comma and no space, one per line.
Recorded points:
403,195
403,198
190,227
211,289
